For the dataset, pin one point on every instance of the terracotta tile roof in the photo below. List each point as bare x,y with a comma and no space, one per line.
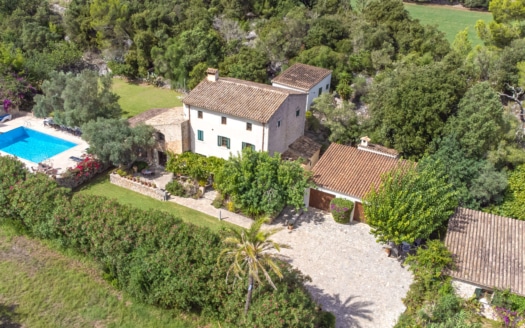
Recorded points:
380,149
489,249
351,171
301,76
254,101
303,147
159,116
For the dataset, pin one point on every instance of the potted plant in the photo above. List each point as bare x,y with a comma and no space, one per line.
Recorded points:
291,224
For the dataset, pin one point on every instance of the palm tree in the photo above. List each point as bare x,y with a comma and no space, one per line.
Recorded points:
250,253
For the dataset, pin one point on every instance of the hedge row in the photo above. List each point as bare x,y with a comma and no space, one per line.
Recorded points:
152,255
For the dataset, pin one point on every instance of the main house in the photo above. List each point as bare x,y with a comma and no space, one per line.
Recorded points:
349,172
311,80
226,115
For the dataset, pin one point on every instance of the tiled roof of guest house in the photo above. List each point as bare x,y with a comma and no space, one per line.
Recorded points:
301,76
489,249
250,100
303,147
159,116
351,171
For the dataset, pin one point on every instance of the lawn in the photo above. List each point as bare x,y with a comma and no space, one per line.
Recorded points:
102,187
43,287
135,99
449,20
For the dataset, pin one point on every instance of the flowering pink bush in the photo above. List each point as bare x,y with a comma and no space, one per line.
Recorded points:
82,172
509,318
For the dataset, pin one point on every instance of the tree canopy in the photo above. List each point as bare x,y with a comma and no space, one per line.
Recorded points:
77,99
410,203
411,105
114,141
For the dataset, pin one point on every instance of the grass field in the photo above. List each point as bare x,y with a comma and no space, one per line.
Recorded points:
135,99
102,187
448,19
42,287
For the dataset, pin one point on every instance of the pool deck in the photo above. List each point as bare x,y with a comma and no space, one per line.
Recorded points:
60,161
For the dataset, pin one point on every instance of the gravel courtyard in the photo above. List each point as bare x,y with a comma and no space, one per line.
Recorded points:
351,275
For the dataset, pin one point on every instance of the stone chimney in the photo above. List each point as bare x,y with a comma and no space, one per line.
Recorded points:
364,141
212,74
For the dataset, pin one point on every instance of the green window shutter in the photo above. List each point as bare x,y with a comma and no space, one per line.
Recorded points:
243,145
228,143
219,141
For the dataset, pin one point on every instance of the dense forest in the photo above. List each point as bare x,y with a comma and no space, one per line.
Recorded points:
397,81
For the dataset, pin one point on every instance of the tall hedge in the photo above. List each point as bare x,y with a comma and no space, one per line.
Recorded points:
152,255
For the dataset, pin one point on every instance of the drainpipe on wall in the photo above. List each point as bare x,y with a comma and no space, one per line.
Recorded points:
262,148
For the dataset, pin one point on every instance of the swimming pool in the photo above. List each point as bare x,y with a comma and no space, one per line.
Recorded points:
32,145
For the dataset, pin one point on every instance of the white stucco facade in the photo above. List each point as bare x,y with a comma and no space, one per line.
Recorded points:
212,128
323,87
283,128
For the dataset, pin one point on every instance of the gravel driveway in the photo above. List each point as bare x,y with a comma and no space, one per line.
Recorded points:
351,275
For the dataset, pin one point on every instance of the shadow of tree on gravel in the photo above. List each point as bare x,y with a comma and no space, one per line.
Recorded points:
8,316
346,312
289,213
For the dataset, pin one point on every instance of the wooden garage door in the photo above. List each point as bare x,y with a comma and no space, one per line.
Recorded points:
359,213
320,199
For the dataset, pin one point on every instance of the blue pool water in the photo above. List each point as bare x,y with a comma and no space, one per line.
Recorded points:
32,145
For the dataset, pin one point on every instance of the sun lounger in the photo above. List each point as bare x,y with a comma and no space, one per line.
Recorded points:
76,159
5,117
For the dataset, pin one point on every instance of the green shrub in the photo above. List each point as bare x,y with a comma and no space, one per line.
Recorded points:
13,172
154,256
504,299
33,202
176,188
341,209
327,320
218,201
140,165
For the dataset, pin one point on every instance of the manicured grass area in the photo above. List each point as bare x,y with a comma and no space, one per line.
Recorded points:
42,287
448,19
102,187
135,99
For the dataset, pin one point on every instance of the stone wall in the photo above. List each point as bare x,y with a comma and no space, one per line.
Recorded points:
124,182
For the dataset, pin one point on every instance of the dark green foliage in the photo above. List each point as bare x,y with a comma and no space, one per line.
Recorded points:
341,120
77,99
13,173
478,124
247,64
34,201
176,188
476,181
410,203
114,141
411,106
199,45
341,209
514,202
261,184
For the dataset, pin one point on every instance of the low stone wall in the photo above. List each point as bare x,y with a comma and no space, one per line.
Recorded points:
138,187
